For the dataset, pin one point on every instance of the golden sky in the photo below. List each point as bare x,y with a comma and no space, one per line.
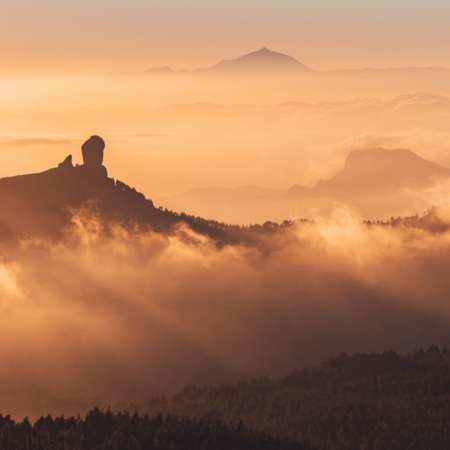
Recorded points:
119,35
56,89
127,315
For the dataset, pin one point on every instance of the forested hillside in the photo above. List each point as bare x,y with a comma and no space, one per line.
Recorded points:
108,431
358,402
364,401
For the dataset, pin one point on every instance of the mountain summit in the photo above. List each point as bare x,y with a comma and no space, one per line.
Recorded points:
44,204
263,59
377,170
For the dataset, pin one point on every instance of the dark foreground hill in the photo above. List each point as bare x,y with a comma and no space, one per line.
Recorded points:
363,401
105,430
353,402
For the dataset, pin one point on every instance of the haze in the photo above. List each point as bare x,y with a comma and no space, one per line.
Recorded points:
114,311
113,314
56,87
168,135
48,36
48,48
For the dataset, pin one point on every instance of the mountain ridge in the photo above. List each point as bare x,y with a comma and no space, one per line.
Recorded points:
41,205
373,181
267,60
264,59
401,168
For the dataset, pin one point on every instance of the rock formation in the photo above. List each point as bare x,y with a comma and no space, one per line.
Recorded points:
92,151
67,163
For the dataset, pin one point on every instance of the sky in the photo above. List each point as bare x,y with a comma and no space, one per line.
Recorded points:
56,88
103,309
118,35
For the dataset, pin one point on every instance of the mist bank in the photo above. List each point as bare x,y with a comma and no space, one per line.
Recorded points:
113,312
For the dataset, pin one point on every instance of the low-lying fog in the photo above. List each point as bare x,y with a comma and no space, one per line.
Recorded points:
120,314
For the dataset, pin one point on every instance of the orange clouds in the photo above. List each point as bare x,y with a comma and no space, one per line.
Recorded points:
113,313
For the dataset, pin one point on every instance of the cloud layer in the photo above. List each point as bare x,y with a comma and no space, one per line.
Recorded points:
112,313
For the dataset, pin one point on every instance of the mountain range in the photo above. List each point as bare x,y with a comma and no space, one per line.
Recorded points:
372,182
268,61
376,183
264,60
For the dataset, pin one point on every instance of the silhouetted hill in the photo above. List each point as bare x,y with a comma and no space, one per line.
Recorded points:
263,60
375,171
105,430
160,70
42,204
372,401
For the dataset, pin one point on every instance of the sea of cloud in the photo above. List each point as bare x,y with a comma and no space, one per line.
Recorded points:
115,313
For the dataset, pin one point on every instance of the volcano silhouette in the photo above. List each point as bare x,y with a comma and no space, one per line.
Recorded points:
263,60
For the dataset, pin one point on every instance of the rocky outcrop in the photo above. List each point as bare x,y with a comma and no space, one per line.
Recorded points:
67,163
92,151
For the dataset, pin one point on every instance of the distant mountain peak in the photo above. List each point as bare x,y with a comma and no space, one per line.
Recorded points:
159,70
380,158
268,51
378,169
264,51
262,59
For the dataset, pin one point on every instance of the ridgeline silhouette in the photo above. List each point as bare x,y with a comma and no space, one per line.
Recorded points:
260,62
42,204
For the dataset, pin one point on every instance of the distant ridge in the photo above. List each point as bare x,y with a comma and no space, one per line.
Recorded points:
265,60
377,170
262,60
375,182
160,70
400,70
